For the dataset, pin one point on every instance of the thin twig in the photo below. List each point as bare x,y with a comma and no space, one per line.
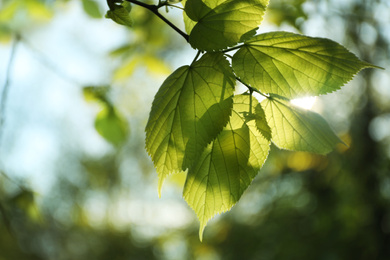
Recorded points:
7,83
174,6
154,9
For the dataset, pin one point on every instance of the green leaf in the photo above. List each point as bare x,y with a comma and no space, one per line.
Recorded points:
96,93
261,122
188,23
111,125
92,8
227,166
189,110
298,129
294,65
222,23
120,14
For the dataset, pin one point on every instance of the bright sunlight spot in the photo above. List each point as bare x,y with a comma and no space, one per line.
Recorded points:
306,102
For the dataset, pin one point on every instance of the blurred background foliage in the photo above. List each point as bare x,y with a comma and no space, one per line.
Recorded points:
94,194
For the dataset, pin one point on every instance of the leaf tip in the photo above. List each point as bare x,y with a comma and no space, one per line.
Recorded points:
159,188
201,229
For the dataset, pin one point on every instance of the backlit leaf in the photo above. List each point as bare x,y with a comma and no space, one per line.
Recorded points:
227,166
96,93
91,7
188,23
222,23
298,129
261,122
121,14
293,65
112,126
189,110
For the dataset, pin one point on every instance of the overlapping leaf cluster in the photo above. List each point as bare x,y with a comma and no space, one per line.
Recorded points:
199,124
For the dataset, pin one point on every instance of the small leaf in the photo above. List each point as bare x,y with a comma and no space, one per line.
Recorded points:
188,23
92,8
222,23
298,129
227,166
120,14
261,123
96,93
189,110
293,65
112,126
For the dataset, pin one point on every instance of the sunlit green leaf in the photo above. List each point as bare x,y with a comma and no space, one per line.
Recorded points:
188,23
261,122
121,14
189,110
227,166
91,7
222,23
298,129
112,126
293,65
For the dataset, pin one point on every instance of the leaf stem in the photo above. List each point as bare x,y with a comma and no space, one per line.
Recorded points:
165,3
250,101
251,89
175,6
154,9
233,48
196,57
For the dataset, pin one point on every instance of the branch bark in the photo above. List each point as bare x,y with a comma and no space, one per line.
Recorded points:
154,9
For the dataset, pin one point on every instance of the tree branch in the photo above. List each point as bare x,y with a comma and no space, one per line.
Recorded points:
4,93
154,9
